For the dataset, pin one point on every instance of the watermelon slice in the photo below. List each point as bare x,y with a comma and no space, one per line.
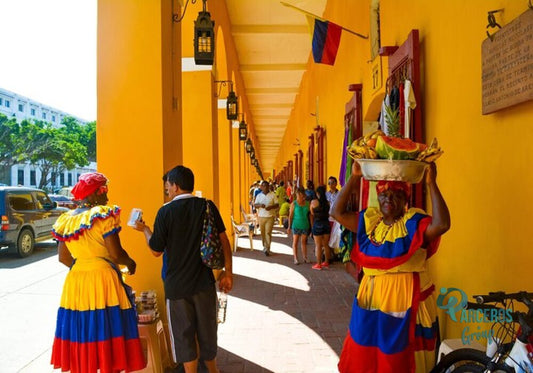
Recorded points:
389,147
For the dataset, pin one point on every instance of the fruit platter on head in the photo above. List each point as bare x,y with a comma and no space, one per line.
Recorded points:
392,157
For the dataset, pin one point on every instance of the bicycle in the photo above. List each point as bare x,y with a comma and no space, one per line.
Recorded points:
507,350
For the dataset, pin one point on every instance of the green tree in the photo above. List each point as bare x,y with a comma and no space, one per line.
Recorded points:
9,132
84,134
51,149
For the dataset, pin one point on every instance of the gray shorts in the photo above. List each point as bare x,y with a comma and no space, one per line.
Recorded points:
193,318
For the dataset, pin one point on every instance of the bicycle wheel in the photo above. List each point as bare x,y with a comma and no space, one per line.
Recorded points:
468,360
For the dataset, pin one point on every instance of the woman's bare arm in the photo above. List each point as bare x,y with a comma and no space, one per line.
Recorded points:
339,212
440,214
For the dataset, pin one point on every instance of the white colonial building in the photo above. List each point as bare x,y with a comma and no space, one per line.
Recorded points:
20,107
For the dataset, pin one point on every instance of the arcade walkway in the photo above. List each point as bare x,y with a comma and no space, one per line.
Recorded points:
283,317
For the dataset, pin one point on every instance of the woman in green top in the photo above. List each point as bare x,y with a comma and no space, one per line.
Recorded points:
299,223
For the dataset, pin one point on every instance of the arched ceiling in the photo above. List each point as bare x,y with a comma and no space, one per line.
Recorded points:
273,45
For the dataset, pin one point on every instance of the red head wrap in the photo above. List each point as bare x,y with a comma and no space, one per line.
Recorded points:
384,185
88,183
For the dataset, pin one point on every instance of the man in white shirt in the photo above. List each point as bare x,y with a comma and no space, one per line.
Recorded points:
266,204
331,195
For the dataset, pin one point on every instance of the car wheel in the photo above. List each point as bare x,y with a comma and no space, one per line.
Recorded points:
25,243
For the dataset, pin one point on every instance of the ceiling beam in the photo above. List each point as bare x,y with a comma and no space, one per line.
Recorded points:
256,117
268,106
274,67
269,29
272,91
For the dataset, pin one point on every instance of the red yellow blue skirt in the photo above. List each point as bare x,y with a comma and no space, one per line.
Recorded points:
393,327
96,322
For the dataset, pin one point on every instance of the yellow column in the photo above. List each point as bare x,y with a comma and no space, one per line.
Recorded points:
200,132
138,118
225,169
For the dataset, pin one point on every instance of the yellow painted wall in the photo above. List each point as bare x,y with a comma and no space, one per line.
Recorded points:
139,120
486,166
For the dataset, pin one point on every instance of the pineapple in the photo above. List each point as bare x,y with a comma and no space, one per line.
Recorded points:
392,121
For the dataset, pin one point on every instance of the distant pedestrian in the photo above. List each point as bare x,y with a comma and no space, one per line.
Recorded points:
299,224
310,193
331,196
320,228
266,204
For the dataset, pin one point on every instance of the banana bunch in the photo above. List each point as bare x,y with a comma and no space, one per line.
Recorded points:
431,153
364,147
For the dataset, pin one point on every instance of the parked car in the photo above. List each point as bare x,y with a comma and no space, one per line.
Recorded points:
66,191
63,201
28,215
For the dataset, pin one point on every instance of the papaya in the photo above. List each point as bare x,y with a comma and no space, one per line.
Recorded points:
371,143
389,147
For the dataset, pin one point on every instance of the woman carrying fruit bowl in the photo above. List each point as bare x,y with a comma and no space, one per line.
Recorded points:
393,327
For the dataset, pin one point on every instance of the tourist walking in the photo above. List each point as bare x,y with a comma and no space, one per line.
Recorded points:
266,204
321,228
299,224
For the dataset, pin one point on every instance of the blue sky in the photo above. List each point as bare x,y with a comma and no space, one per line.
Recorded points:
49,52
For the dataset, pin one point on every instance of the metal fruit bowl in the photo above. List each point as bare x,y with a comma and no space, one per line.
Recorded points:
396,170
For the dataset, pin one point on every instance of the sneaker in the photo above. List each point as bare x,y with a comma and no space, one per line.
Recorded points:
296,261
317,267
325,265
267,252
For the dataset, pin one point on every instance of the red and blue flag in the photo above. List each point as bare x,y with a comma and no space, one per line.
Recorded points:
326,40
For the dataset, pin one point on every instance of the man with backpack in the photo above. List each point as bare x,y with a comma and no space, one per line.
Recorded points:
189,285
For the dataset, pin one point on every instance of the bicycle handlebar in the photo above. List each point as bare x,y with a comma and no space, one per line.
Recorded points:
500,296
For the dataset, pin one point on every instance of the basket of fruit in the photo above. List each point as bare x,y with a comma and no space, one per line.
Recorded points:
385,157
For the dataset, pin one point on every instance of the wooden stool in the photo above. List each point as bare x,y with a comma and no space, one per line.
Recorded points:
154,342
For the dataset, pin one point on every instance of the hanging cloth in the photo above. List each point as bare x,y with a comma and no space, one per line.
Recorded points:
384,105
394,98
401,108
410,104
344,156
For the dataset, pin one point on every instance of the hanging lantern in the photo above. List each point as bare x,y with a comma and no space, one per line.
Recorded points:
248,146
252,153
243,131
204,38
232,107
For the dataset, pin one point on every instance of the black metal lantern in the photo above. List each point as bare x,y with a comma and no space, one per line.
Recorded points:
232,107
248,146
204,38
243,131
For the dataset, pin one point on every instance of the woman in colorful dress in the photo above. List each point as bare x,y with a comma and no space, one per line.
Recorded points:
96,323
299,224
393,327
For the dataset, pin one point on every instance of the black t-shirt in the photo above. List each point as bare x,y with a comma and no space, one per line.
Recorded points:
178,231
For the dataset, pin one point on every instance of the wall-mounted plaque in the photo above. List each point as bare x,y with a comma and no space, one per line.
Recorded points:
507,65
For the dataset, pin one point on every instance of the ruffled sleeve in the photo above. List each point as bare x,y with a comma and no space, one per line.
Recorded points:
71,226
397,249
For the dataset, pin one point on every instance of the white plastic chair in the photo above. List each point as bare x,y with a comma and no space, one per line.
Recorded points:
250,219
241,230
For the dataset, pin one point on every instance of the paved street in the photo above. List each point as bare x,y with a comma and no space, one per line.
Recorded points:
29,295
280,317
